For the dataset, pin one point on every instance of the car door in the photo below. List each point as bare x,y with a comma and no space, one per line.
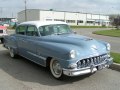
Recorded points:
32,37
21,39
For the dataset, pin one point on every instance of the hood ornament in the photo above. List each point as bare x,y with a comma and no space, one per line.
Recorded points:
93,47
88,39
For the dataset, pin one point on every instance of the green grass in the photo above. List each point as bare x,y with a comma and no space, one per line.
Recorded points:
116,57
87,27
113,33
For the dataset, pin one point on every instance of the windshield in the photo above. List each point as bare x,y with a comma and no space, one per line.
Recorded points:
56,29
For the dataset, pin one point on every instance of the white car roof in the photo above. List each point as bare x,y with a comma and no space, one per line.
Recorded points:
42,23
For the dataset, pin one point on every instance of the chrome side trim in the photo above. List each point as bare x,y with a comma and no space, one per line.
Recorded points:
37,55
32,60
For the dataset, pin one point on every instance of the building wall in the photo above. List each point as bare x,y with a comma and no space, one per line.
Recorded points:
32,15
21,16
82,17
72,18
46,15
59,16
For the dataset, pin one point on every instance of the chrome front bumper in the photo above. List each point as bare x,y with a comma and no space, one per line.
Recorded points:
1,37
91,69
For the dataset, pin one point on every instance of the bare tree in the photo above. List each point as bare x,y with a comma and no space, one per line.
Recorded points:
115,21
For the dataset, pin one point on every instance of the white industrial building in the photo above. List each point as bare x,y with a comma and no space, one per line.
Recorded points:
72,18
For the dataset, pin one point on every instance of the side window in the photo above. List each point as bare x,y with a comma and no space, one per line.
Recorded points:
41,31
21,30
32,31
46,30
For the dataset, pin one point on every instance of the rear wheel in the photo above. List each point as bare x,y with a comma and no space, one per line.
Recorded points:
56,69
12,53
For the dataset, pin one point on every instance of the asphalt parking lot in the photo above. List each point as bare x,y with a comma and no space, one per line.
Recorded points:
21,74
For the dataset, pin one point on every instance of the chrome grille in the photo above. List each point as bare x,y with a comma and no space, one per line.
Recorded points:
93,60
1,31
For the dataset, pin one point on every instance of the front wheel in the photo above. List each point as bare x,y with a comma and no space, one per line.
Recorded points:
56,69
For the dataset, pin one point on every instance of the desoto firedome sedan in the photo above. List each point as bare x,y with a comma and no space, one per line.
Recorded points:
54,44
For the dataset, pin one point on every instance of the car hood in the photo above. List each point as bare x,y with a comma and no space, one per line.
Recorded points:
72,39
75,41
67,38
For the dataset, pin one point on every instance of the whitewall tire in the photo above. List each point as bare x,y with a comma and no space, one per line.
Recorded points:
56,69
12,53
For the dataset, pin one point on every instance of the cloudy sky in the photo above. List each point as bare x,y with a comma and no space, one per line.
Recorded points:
9,8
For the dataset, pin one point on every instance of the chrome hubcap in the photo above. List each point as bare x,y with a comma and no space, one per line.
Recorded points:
56,68
11,52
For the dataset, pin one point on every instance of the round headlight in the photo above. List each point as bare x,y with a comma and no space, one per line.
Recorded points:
108,47
72,53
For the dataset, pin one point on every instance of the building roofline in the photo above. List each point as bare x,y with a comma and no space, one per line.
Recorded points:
64,11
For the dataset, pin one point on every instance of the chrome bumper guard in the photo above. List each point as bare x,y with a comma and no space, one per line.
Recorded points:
91,69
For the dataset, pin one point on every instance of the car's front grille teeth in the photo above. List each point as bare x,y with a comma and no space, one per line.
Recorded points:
93,60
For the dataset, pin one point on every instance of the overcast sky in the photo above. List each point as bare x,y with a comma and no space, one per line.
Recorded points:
9,8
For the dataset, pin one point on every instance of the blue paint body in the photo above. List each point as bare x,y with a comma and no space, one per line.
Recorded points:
39,48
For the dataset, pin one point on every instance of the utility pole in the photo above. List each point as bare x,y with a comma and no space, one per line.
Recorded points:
25,10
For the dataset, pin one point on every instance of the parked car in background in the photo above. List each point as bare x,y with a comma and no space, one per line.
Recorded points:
3,32
54,44
6,25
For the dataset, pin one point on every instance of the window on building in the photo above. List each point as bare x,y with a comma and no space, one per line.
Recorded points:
98,22
70,21
79,21
48,19
59,20
90,22
108,23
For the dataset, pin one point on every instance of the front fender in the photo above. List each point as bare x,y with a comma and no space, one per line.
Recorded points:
56,50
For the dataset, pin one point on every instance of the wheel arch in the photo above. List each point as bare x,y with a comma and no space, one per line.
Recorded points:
48,61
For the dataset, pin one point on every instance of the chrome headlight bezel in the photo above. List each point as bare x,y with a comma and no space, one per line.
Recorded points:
72,54
108,47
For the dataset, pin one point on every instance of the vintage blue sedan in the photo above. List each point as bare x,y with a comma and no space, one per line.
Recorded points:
55,45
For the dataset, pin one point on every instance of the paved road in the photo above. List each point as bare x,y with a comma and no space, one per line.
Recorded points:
21,74
114,41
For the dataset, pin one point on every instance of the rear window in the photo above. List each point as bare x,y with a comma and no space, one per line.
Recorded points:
1,31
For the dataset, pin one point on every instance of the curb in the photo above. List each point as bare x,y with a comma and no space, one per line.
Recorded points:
115,66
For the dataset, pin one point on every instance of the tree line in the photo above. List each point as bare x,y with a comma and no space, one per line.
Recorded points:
115,21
